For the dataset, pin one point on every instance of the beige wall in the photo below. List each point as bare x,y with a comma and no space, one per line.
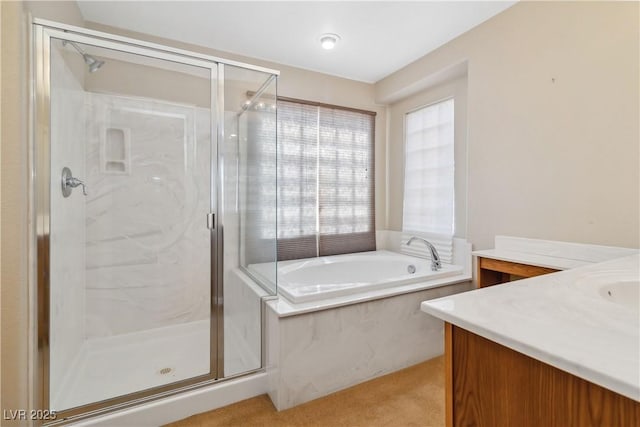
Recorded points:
13,283
14,274
65,11
186,85
553,121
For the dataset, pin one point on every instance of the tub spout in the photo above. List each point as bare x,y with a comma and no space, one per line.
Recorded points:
435,258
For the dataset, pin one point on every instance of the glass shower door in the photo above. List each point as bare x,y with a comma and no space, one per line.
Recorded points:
130,250
247,164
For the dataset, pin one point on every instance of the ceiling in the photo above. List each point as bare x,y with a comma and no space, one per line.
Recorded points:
377,37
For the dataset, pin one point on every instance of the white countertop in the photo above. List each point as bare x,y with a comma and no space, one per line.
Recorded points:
550,253
531,259
560,319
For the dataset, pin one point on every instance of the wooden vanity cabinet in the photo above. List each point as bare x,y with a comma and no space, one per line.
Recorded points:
490,385
494,271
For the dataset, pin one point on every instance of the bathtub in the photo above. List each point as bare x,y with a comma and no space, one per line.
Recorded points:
314,279
353,318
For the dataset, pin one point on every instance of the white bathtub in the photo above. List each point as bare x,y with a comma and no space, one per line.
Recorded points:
320,278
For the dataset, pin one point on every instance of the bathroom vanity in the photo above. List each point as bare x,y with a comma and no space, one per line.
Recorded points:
489,384
559,349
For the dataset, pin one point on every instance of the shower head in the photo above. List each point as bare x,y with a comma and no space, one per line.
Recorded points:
93,63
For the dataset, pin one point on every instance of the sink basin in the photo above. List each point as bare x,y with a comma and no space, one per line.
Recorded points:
626,293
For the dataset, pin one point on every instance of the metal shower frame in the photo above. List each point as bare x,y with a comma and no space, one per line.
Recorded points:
43,31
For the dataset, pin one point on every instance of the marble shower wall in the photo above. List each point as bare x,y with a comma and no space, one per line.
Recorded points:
67,233
147,244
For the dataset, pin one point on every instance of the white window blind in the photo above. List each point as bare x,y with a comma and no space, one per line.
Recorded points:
428,207
325,180
297,180
345,182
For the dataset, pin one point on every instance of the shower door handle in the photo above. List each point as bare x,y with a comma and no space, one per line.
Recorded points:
211,220
69,183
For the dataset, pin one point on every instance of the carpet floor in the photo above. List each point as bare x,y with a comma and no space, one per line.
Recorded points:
411,397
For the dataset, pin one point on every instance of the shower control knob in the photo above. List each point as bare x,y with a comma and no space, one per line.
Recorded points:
69,182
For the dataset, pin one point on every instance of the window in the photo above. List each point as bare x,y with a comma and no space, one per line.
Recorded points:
429,171
325,180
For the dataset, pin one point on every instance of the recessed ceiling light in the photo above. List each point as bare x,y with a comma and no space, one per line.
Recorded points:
328,41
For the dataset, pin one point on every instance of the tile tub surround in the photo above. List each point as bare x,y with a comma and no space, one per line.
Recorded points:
561,319
314,354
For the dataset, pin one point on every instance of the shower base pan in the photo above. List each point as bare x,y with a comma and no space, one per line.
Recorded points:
109,367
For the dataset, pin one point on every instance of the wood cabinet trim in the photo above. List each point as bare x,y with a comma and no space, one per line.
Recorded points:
448,374
494,271
524,270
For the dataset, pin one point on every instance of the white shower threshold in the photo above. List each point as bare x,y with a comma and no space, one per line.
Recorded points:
183,405
117,365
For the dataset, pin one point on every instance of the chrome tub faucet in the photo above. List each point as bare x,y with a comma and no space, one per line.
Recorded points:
435,258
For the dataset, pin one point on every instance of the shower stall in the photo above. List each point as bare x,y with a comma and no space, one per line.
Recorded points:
154,188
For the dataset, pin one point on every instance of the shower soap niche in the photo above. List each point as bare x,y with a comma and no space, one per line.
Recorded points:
115,151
